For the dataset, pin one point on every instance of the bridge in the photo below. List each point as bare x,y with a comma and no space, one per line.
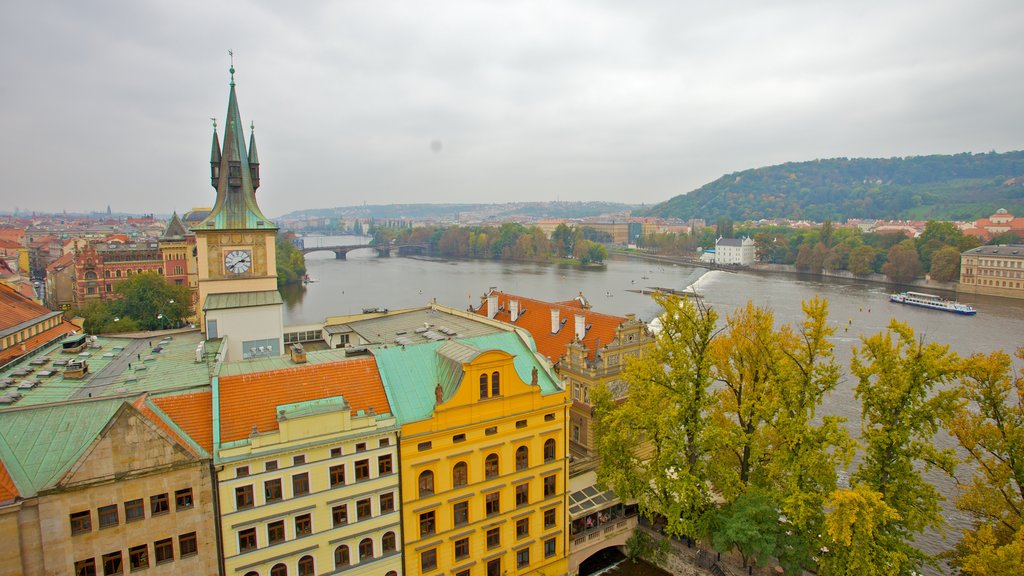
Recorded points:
382,250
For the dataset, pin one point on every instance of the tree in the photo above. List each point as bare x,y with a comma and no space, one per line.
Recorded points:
902,264
751,525
857,535
861,260
664,417
901,410
151,301
592,252
291,264
564,239
946,265
936,236
724,227
826,233
1007,237
989,426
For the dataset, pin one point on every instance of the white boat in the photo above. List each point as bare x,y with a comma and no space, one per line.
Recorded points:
932,301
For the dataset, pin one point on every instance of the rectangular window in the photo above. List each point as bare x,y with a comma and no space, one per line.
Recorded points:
549,548
335,452
362,470
523,558
384,442
550,518
387,502
138,557
272,490
428,560
363,509
491,431
427,525
247,540
522,495
112,563
134,510
275,532
241,471
187,545
159,504
270,465
384,464
520,423
81,522
494,567
493,538
337,475
549,486
163,551
423,446
243,497
85,567
303,525
522,528
460,513
360,446
183,499
339,514
461,549
299,460
492,503
458,438
108,516
300,484
462,573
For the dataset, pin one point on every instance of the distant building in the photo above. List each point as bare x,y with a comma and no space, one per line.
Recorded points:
739,251
998,223
995,270
178,247
100,266
60,283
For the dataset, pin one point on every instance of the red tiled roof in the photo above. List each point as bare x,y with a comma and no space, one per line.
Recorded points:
62,262
10,244
8,491
16,308
192,413
249,400
537,321
36,341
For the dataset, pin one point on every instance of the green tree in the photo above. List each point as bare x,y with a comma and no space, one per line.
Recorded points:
593,252
858,536
750,524
1007,237
936,236
989,427
151,301
862,260
564,239
654,443
902,265
291,264
897,378
946,265
724,227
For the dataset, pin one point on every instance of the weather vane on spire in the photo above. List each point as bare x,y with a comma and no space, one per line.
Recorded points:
231,56
214,124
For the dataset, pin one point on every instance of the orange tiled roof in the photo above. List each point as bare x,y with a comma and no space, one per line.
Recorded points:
248,400
537,321
10,244
8,491
60,263
36,341
15,308
192,413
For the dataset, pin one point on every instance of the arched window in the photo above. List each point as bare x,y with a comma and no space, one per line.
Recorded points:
391,573
522,458
341,556
495,386
426,483
491,466
253,573
460,474
106,273
279,570
549,450
483,385
306,566
117,273
90,275
366,549
387,543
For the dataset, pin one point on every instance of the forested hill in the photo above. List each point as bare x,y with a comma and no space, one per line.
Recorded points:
960,187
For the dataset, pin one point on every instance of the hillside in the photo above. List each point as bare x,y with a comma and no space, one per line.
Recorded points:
444,212
959,187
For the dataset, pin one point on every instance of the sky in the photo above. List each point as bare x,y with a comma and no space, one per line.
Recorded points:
379,102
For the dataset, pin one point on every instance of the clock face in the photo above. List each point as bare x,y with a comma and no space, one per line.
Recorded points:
238,261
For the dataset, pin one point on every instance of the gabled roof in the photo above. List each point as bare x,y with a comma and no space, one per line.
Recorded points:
175,229
16,309
61,263
537,321
8,491
251,400
188,418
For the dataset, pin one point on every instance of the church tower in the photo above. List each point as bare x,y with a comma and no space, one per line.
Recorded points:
235,250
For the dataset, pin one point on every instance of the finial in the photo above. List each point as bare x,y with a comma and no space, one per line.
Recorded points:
231,55
252,126
214,120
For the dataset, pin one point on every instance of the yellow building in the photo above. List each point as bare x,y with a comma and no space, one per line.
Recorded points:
307,467
994,270
484,461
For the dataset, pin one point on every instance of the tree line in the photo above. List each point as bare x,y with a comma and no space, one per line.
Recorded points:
505,242
720,437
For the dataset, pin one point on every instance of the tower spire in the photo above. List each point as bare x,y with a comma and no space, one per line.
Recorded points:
215,157
254,159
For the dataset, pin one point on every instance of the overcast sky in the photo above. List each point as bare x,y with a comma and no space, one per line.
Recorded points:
394,102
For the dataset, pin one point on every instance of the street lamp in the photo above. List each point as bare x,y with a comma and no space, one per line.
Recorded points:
162,319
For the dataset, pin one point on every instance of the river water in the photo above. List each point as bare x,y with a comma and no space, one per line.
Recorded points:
363,281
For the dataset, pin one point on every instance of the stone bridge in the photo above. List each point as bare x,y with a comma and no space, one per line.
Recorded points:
382,250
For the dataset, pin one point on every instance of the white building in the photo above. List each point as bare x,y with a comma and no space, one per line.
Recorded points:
734,251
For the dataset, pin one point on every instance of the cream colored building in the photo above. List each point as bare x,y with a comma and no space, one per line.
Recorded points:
993,270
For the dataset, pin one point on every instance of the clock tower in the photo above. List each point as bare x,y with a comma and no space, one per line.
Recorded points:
235,250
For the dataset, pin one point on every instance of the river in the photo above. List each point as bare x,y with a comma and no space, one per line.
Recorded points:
855,308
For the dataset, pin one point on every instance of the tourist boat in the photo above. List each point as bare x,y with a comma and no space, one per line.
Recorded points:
932,301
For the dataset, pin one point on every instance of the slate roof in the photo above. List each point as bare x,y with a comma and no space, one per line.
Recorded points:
410,374
175,229
251,400
537,321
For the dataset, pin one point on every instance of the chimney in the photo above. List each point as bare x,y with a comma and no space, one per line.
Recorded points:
554,321
581,326
298,354
513,307
492,305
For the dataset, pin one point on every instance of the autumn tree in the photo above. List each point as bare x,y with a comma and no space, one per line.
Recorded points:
946,265
861,260
902,264
989,427
900,381
858,535
669,393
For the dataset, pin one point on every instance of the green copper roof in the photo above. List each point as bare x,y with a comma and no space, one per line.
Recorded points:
236,207
39,444
242,300
411,373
